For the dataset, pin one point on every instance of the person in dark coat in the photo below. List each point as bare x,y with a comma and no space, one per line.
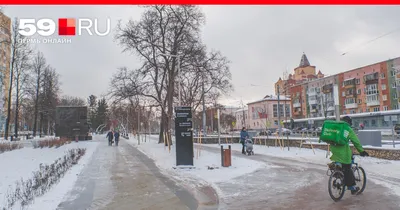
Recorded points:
243,136
116,135
110,137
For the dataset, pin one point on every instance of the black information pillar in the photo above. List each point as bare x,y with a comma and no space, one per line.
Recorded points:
184,136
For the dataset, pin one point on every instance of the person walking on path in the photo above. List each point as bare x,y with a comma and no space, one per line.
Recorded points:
116,136
243,136
110,137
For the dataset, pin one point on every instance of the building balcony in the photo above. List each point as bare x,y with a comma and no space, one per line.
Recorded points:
371,78
313,101
373,103
296,105
351,106
312,93
331,108
327,88
297,113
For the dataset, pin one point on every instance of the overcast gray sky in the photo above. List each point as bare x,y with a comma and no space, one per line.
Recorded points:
260,41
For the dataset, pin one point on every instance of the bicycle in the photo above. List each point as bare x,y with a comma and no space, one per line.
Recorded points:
336,178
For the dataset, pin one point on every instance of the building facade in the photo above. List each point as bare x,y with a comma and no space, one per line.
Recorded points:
263,114
371,88
5,52
304,72
241,116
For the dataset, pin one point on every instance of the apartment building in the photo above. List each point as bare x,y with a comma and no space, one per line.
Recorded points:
371,88
264,113
5,52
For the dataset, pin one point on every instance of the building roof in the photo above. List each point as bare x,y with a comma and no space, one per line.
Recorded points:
271,98
304,61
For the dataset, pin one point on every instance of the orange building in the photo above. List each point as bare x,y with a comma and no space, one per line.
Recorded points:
304,72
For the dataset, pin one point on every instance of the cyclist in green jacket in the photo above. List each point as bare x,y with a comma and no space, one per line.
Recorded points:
343,154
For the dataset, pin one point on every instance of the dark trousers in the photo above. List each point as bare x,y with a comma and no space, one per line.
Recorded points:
349,178
116,141
243,147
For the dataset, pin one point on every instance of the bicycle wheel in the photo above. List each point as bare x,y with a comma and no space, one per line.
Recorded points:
361,179
336,185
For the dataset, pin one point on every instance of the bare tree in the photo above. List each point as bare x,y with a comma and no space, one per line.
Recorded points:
163,31
71,101
48,99
39,64
22,67
18,46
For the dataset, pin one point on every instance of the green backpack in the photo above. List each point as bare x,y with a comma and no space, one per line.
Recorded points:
335,132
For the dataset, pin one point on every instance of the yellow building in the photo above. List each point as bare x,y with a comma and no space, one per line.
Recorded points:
5,53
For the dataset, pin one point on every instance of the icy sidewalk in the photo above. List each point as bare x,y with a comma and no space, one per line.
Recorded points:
244,177
389,168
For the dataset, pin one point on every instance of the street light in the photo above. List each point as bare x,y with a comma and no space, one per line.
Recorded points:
179,70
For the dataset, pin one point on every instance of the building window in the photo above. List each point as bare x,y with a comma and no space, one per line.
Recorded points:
376,109
396,106
383,86
357,81
349,101
275,110
343,93
385,108
392,73
394,85
359,91
371,98
382,75
384,97
395,95
359,101
372,89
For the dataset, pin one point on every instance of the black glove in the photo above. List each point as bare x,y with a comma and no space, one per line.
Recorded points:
364,153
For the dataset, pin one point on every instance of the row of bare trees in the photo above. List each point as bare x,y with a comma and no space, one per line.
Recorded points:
167,39
33,88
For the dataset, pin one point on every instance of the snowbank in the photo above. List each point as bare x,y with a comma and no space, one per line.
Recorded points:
21,163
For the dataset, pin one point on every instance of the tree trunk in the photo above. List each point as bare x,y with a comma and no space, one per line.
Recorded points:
9,95
36,104
16,105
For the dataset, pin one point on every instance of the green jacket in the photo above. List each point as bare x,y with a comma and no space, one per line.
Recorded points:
342,154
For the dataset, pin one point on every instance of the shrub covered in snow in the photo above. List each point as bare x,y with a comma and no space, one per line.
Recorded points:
50,142
25,191
9,146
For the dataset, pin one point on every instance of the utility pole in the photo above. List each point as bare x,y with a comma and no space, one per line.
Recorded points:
244,117
279,114
219,129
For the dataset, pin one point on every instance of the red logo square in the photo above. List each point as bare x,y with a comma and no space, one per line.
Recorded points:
66,26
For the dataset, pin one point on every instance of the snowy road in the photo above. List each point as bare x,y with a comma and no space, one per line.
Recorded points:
292,184
124,178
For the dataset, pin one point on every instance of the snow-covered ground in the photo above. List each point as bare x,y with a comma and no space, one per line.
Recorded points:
21,163
166,160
